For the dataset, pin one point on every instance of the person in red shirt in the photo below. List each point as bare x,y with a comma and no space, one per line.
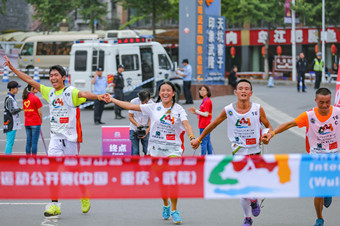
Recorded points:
204,118
33,119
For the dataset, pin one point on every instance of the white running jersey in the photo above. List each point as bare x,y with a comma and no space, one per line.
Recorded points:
137,115
323,137
244,130
166,131
63,115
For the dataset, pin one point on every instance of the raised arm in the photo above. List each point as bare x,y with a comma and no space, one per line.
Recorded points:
26,78
125,105
281,128
196,143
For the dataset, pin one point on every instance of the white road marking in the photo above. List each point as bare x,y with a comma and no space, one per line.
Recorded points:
278,116
23,203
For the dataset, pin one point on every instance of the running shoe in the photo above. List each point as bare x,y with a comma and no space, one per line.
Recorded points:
166,211
247,221
85,205
327,201
53,210
255,208
176,217
319,222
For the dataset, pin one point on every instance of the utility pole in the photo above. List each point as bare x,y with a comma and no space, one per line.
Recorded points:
293,40
323,37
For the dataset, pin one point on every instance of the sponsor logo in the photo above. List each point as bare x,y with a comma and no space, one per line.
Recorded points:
170,137
167,120
325,129
64,120
158,108
312,120
57,103
27,103
243,123
251,141
230,113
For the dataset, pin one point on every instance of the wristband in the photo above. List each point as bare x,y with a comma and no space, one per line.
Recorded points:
98,97
192,136
273,133
199,140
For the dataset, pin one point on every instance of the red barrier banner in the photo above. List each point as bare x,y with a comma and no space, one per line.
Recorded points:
25,177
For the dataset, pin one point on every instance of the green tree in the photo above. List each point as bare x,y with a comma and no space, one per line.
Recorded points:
50,12
3,7
254,12
92,10
310,12
155,10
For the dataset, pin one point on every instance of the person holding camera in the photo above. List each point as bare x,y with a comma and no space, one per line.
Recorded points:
139,124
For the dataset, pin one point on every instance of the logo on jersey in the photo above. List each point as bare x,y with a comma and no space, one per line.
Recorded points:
158,108
230,113
167,120
325,129
312,120
243,123
56,103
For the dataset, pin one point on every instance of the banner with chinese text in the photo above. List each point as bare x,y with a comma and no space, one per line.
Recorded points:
210,177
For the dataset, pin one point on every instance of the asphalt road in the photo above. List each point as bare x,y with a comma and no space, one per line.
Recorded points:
281,104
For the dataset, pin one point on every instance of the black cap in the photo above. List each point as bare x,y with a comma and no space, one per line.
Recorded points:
99,69
120,66
185,61
12,85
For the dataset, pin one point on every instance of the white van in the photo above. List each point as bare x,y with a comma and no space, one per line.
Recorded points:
43,51
142,58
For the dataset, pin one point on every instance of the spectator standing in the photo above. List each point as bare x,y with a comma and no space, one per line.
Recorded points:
11,116
100,83
186,74
118,86
138,120
301,69
317,66
33,119
232,78
204,118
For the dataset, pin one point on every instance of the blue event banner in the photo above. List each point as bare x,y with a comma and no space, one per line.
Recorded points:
320,175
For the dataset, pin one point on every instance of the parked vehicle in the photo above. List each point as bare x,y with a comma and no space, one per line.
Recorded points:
142,58
43,51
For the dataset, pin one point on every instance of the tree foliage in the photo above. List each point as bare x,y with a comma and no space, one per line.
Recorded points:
3,7
92,10
255,12
155,10
50,12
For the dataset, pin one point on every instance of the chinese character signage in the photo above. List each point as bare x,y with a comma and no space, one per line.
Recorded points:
116,140
214,49
199,41
283,63
280,36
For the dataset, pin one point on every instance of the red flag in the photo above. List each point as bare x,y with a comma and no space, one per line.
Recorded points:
337,90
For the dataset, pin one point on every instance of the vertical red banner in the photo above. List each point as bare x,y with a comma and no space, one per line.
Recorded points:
337,90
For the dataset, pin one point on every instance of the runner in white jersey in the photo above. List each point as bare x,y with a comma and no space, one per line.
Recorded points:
244,131
64,119
168,125
322,136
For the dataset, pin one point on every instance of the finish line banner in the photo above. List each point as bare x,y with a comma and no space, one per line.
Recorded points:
210,177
